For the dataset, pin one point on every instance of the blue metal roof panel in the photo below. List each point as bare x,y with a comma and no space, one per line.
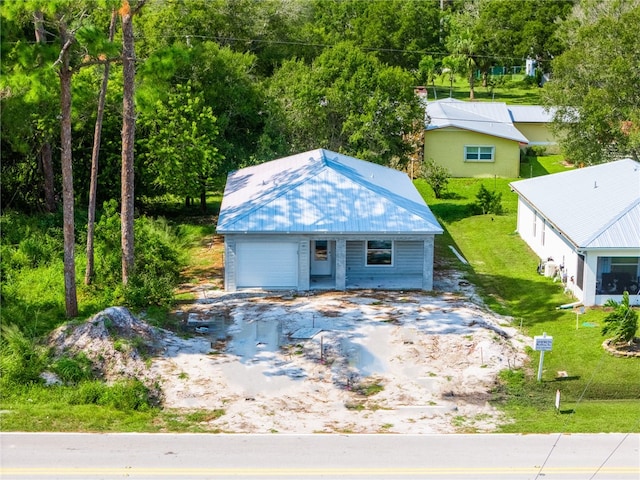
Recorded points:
595,207
322,191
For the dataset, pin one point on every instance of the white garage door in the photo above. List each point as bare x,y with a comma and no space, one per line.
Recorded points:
267,265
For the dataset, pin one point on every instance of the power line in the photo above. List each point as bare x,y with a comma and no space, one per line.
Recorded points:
584,391
613,451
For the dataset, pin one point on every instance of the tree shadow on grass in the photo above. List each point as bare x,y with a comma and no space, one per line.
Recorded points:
534,300
452,212
451,196
531,167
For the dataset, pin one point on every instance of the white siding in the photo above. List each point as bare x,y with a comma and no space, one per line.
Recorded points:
547,242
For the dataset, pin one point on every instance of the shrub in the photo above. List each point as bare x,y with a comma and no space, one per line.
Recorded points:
157,259
21,360
488,201
87,393
73,369
122,395
126,395
535,151
436,176
622,323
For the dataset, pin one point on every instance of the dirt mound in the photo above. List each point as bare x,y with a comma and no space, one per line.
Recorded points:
115,341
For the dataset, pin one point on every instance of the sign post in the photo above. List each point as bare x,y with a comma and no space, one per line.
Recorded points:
542,344
578,311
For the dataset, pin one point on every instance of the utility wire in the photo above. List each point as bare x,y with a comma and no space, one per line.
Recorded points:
613,451
584,391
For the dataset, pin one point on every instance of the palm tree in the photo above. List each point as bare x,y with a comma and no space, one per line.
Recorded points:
466,49
450,67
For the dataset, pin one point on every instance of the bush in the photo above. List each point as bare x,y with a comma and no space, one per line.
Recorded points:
436,176
21,360
535,151
122,395
157,260
73,369
622,322
488,201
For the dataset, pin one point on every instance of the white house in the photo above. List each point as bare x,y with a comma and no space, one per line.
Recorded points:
323,220
586,224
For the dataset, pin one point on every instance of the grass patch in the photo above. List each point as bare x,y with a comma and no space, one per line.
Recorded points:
603,391
368,388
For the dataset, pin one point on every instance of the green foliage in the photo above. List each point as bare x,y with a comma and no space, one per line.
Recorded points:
183,164
157,260
157,264
346,101
622,322
436,176
21,360
73,369
122,395
31,283
595,84
489,201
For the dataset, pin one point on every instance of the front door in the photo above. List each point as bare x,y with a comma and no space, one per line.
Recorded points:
321,255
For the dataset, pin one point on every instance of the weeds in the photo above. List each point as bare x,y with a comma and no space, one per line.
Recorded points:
73,369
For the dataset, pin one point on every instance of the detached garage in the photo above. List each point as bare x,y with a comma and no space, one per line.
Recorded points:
322,220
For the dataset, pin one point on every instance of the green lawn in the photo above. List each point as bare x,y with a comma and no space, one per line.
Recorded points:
509,90
600,392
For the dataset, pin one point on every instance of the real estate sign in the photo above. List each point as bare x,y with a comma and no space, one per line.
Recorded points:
542,343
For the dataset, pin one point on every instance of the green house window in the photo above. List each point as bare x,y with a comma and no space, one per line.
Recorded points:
479,154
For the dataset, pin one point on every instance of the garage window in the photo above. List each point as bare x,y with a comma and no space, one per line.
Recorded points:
379,253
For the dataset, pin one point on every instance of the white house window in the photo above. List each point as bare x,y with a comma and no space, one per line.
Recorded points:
478,154
618,274
379,253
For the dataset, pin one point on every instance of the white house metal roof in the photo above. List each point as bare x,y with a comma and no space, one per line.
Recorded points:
323,191
594,207
490,118
530,114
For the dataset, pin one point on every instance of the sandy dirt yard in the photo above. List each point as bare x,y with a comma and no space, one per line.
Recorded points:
343,362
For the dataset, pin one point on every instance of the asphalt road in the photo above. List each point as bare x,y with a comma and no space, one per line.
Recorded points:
189,456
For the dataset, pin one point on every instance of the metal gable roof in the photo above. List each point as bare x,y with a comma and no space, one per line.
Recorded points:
531,114
594,207
323,191
489,118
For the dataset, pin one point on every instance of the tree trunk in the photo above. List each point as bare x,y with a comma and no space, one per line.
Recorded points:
203,199
93,186
65,74
128,136
472,80
46,161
